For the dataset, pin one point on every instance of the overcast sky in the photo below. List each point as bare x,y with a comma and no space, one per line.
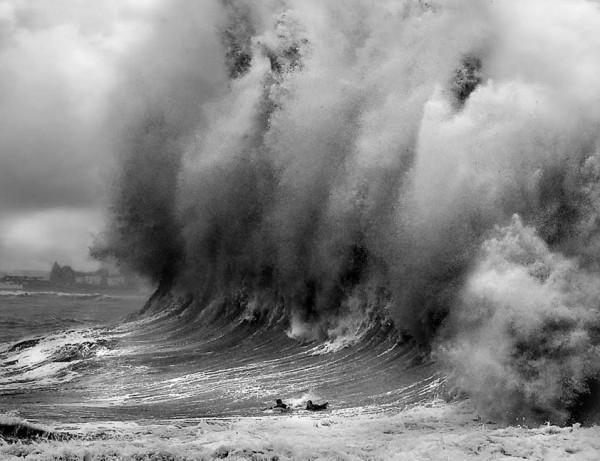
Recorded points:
61,62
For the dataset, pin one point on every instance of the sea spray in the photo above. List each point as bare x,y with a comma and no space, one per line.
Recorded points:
524,330
306,150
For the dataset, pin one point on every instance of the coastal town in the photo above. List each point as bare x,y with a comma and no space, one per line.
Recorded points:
67,278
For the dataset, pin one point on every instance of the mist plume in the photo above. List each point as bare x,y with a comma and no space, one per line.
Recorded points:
443,154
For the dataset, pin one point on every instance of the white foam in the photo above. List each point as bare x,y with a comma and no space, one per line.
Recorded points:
35,365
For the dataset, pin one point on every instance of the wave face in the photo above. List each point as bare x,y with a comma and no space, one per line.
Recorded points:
438,159
225,360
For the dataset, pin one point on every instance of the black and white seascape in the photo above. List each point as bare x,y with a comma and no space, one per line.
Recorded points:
390,206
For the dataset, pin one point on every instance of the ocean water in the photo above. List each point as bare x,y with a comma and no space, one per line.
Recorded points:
66,357
24,313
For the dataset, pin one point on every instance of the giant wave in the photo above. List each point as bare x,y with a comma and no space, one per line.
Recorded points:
316,164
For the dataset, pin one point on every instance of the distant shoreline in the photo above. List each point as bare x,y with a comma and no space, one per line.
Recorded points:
84,289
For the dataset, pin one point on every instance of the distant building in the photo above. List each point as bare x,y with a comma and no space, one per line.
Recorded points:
101,278
65,277
116,281
28,275
7,284
11,279
90,279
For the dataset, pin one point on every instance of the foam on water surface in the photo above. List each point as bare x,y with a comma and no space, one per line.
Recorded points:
434,431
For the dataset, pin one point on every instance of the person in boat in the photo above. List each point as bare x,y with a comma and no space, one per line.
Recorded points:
316,406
